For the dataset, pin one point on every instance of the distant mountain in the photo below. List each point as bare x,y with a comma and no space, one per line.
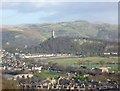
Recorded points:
33,34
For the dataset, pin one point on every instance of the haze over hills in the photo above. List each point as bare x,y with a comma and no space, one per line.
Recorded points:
34,34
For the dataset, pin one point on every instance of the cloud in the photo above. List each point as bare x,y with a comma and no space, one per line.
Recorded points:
28,7
66,7
90,11
60,11
60,0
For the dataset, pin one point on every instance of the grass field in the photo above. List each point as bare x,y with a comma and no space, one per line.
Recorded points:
90,59
76,62
45,74
89,62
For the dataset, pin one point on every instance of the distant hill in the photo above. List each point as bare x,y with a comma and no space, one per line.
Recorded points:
86,46
33,34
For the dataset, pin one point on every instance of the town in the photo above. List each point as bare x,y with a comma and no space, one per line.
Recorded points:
37,73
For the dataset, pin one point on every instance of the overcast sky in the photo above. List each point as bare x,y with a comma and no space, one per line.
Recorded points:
47,12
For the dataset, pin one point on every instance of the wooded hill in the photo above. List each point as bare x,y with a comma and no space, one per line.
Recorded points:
75,45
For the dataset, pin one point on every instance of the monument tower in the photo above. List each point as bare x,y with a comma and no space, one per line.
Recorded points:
53,34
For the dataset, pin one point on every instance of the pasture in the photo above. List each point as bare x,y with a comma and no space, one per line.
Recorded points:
90,62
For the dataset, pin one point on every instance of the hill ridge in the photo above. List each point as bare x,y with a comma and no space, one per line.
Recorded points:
33,34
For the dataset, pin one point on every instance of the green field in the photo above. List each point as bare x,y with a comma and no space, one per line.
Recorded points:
45,74
90,59
89,62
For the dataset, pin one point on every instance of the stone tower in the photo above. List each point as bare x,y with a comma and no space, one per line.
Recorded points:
53,34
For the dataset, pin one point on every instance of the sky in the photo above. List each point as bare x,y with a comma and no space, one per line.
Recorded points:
13,13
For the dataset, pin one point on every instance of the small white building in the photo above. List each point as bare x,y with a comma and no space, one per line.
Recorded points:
107,53
114,53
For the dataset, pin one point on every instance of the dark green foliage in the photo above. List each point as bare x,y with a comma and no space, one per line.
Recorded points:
82,78
78,46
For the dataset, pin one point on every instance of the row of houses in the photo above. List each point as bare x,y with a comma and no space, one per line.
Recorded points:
44,55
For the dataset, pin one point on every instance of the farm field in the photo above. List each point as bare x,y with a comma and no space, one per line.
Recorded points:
90,59
90,62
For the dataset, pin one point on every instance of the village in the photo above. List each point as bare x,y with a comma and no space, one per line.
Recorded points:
42,75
